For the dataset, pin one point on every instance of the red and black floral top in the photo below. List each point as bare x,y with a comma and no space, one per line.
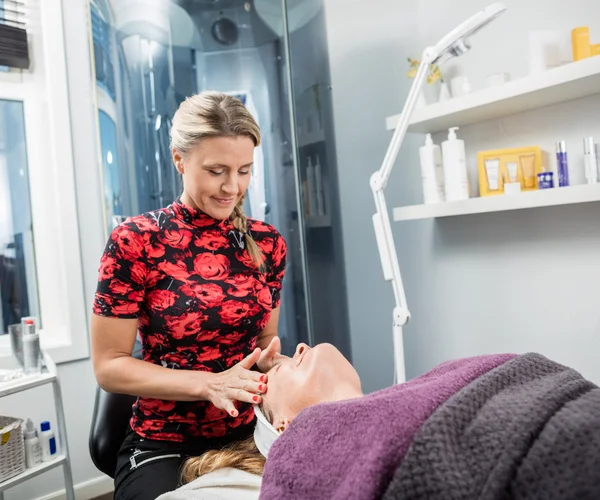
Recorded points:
200,301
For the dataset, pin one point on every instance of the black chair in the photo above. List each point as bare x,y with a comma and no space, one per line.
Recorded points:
110,421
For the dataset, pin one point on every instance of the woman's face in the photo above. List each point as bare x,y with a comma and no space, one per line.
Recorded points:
310,377
216,174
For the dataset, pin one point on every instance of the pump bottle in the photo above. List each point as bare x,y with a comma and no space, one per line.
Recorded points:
432,171
456,180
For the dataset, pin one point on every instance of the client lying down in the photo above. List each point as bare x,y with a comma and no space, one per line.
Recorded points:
497,426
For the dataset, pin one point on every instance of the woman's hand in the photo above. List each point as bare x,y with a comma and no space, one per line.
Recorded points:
238,383
268,355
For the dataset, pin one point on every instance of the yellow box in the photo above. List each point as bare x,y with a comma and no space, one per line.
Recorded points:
580,41
595,49
518,167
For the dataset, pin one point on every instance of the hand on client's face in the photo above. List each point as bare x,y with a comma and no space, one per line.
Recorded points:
268,356
311,376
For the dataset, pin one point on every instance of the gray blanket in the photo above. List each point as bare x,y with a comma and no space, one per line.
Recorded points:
529,429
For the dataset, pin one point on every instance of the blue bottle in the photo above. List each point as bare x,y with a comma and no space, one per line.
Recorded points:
562,164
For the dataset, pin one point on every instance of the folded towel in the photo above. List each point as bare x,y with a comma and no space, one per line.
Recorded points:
530,429
350,449
222,484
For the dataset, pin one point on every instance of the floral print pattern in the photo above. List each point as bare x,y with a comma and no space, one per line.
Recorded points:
200,301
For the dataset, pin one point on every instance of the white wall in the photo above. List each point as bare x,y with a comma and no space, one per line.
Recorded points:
77,379
517,281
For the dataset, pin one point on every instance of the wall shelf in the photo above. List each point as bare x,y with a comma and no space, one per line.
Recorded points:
500,203
571,81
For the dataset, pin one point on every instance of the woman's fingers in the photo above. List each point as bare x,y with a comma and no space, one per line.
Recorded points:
267,357
250,360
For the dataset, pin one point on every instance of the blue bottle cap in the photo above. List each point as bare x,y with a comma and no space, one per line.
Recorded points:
45,426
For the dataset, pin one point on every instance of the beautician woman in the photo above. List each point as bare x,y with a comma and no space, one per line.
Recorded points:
200,283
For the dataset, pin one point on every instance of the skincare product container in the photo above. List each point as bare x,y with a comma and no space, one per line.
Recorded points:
562,165
492,169
513,185
432,171
456,180
580,40
589,160
48,442
32,356
509,171
527,163
33,449
546,180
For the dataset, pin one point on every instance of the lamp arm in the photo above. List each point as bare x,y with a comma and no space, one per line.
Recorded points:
381,218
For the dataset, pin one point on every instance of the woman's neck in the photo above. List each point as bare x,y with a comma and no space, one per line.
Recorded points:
343,392
187,200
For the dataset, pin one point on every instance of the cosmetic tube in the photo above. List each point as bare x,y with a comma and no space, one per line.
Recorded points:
528,168
491,169
562,164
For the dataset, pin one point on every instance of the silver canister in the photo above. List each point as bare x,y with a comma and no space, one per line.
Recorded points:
16,342
32,354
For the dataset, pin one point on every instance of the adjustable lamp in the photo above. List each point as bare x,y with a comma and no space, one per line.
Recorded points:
455,43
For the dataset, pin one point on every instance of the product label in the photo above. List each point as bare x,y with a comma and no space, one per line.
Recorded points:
36,451
52,445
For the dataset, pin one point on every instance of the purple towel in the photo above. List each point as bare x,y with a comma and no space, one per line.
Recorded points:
350,449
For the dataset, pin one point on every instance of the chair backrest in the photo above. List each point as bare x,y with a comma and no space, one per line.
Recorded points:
110,421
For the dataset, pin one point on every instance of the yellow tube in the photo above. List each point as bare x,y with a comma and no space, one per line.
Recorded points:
527,163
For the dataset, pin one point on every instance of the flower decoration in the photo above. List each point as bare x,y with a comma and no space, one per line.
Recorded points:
434,71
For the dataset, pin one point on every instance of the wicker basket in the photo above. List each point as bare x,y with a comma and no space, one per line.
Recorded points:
12,448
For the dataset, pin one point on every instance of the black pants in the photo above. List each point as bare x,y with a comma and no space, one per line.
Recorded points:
146,469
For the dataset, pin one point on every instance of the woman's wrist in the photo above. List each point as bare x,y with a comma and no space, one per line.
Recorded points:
199,385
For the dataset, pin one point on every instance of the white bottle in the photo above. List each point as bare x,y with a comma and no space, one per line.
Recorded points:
32,358
432,171
456,181
589,159
319,188
33,449
48,442
312,188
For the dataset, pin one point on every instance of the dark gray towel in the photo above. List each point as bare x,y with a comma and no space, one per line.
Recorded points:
529,429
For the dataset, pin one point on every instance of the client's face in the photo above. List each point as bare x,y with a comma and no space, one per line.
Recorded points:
313,375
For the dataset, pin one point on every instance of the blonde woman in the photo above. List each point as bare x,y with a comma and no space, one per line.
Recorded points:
201,284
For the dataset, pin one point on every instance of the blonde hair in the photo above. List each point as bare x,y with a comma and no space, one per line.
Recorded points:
214,114
242,455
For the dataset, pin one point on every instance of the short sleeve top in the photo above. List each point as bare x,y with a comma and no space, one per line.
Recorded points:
200,301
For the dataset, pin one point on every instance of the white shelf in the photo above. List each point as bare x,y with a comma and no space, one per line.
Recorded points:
27,382
543,198
571,81
34,471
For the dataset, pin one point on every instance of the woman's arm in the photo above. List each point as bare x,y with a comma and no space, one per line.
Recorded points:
269,331
116,371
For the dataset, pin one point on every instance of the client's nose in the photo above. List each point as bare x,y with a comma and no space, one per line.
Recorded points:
300,348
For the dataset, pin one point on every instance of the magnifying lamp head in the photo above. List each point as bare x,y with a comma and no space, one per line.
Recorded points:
456,43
